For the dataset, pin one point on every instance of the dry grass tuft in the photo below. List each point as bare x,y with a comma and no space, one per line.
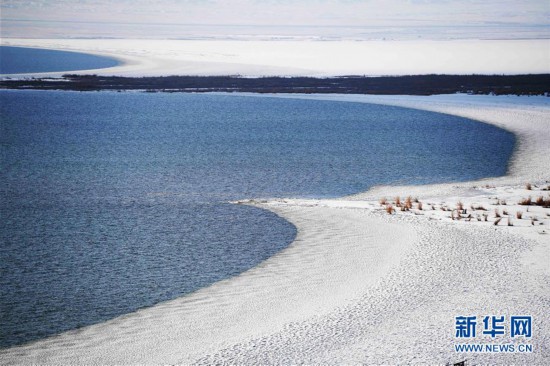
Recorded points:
510,222
460,206
397,201
503,202
389,209
419,205
497,221
497,214
485,217
528,186
504,212
543,202
408,203
383,201
519,215
525,201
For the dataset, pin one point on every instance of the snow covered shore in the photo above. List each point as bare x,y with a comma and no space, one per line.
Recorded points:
359,285
305,58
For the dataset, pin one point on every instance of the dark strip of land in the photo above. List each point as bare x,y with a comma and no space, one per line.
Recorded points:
532,84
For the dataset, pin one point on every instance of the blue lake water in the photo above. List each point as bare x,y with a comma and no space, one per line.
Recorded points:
18,60
116,201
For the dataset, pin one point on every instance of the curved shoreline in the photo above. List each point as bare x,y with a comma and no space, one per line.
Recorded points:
124,62
309,58
337,283
473,267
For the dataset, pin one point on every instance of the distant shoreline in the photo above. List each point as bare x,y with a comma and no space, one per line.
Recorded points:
524,84
23,61
146,57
